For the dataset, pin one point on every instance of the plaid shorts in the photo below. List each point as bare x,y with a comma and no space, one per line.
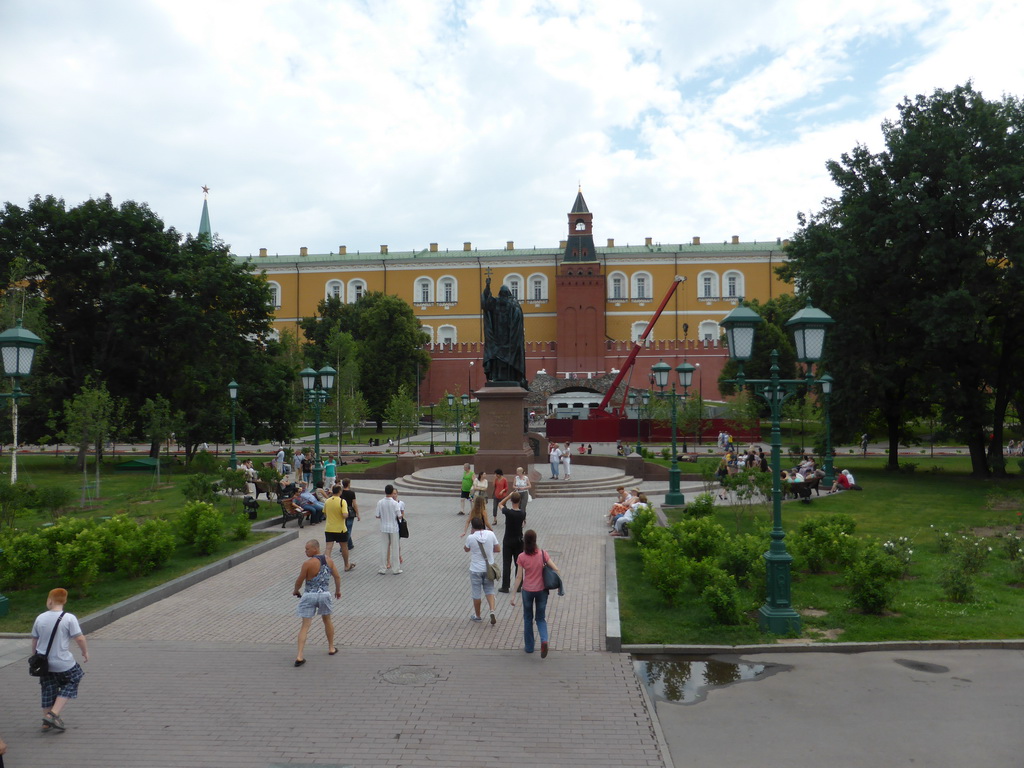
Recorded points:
54,684
313,603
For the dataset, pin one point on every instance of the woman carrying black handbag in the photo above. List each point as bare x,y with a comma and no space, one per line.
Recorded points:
532,564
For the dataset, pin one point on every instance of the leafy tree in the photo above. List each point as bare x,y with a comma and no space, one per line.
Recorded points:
390,344
158,424
917,260
401,412
88,416
132,304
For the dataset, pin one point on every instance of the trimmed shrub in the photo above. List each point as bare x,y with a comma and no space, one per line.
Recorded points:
699,538
702,505
665,568
722,598
22,559
78,561
872,578
199,487
825,540
119,536
241,526
742,557
151,549
209,531
63,531
703,573
188,519
204,463
643,521
957,582
972,553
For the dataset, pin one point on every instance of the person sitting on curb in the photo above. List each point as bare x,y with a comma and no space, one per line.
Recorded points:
627,517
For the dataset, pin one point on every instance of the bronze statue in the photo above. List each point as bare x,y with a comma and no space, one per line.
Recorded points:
504,342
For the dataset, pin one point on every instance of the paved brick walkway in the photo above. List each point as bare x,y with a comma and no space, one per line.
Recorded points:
205,678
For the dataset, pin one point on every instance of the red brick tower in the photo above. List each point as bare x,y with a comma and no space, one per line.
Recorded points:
580,291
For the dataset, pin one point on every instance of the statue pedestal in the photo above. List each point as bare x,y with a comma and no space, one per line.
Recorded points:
503,442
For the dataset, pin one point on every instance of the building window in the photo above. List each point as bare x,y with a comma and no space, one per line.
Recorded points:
275,295
356,289
637,331
709,331
447,290
616,286
446,334
424,290
429,330
335,290
538,289
708,282
733,284
515,284
642,286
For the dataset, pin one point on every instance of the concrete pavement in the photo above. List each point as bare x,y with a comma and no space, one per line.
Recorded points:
205,678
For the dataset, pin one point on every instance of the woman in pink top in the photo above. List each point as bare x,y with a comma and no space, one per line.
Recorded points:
535,597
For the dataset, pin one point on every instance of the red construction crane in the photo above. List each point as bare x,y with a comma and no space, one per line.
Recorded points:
637,346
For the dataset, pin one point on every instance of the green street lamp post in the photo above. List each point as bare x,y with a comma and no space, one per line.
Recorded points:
233,392
431,429
685,371
317,396
830,474
18,346
452,402
809,327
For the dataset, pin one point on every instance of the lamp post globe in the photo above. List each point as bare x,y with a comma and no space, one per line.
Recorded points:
18,348
740,326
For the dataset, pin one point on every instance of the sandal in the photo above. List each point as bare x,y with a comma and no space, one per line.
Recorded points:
349,567
53,721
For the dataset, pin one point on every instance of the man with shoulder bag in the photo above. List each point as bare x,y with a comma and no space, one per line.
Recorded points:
60,674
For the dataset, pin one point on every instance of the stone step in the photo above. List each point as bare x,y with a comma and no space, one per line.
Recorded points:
420,485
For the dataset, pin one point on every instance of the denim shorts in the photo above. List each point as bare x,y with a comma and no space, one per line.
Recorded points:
313,603
480,584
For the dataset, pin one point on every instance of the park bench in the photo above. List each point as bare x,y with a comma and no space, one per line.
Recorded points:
803,490
291,511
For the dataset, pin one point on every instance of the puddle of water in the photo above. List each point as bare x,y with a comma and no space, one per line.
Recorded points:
687,682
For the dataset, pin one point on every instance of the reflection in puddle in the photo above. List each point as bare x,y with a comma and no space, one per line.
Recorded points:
687,682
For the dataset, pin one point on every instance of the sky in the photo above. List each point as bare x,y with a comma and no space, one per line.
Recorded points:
321,123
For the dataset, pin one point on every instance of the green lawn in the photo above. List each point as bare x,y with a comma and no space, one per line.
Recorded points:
892,505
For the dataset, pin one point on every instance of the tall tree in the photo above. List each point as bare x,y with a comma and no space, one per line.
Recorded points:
132,304
390,340
918,262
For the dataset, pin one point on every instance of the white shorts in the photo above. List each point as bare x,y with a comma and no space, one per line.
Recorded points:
313,603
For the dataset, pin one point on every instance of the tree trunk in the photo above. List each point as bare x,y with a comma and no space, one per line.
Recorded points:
979,462
892,421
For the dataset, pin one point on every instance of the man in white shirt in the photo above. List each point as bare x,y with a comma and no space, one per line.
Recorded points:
388,512
60,684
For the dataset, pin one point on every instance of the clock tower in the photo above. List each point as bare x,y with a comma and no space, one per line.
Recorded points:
580,284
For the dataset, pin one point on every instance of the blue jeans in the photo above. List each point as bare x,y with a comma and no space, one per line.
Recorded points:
554,468
534,606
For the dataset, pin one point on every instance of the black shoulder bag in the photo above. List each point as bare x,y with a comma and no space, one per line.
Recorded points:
39,663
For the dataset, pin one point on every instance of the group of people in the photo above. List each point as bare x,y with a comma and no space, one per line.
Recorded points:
560,457
302,466
624,509
475,485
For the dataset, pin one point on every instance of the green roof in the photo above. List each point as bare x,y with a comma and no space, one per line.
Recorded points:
682,249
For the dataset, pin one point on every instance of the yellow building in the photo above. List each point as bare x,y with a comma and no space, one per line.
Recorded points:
444,286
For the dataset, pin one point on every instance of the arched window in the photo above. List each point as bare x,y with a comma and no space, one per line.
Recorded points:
581,225
709,331
356,289
429,330
335,289
447,290
707,285
446,335
617,286
637,330
275,294
515,284
733,284
274,335
643,286
538,287
424,291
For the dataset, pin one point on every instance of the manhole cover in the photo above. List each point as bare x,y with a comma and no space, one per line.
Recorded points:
410,674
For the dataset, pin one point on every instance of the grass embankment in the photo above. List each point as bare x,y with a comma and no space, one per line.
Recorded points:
132,493
892,505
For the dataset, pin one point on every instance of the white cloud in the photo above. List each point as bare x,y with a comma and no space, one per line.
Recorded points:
413,121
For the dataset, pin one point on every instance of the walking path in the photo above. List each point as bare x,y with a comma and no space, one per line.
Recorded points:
205,678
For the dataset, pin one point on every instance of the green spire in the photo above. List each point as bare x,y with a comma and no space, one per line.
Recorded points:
204,221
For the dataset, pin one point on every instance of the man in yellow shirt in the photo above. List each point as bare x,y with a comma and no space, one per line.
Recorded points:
336,531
